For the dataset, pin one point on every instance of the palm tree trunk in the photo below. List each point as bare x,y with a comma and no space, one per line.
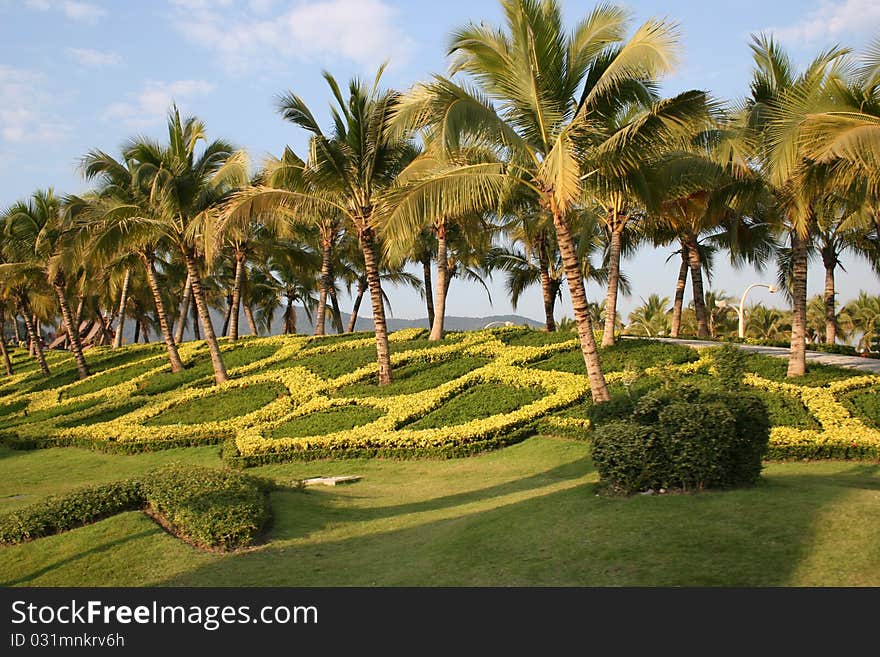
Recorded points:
7,363
15,329
236,295
613,283
82,367
371,264
696,267
32,335
581,308
830,261
77,318
226,316
249,315
117,340
164,326
442,283
680,286
354,310
429,289
797,363
202,307
197,332
290,317
546,285
137,331
335,312
326,283
184,311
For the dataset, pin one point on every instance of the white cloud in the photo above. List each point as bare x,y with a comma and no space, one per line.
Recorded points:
253,34
78,11
25,114
832,20
94,58
150,105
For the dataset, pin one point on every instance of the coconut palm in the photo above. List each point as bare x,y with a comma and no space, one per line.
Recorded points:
39,240
559,96
346,176
862,317
652,318
123,223
845,136
780,100
766,323
183,188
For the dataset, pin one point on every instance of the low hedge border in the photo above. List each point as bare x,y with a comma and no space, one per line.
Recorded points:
211,509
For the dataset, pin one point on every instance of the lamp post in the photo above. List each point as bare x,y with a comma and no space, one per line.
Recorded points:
740,311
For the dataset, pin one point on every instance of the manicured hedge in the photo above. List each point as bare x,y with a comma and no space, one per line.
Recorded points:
684,438
64,512
209,508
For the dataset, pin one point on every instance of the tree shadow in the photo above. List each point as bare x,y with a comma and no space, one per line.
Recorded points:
104,547
570,537
331,503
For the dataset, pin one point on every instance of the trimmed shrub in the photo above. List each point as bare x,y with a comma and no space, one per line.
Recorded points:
207,507
684,438
211,508
61,513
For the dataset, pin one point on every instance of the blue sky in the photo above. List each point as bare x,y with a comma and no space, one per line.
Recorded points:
80,74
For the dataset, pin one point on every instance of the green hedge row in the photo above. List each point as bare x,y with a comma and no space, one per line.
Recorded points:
60,513
210,508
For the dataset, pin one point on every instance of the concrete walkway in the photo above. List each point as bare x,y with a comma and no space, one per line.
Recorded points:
867,365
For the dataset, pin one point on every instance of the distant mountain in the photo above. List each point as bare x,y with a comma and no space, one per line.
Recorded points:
303,325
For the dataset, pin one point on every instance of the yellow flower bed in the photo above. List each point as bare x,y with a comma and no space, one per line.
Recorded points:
840,436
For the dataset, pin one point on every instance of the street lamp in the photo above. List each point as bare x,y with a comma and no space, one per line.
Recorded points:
742,305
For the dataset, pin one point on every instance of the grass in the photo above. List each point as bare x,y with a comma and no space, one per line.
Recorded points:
771,367
526,515
625,354
200,374
323,422
479,401
415,377
222,406
865,404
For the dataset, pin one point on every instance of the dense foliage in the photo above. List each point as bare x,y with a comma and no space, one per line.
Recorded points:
684,438
210,508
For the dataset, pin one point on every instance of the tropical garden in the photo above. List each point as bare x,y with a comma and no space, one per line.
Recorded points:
546,156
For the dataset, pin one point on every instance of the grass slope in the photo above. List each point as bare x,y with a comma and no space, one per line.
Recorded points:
527,514
524,515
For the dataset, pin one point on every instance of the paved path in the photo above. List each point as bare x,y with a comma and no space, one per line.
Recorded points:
867,365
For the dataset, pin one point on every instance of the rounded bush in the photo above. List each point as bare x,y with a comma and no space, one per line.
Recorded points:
684,438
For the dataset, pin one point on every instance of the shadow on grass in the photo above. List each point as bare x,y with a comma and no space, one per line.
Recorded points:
104,547
569,537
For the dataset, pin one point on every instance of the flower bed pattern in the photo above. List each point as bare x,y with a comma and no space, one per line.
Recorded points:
248,438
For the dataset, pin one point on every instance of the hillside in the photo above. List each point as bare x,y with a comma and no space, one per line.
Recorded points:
295,397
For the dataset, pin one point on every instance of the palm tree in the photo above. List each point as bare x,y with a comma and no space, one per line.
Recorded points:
766,323
556,92
652,318
123,223
346,176
184,190
779,101
39,238
862,316
845,136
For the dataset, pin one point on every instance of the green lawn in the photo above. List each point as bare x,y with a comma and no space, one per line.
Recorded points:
525,515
